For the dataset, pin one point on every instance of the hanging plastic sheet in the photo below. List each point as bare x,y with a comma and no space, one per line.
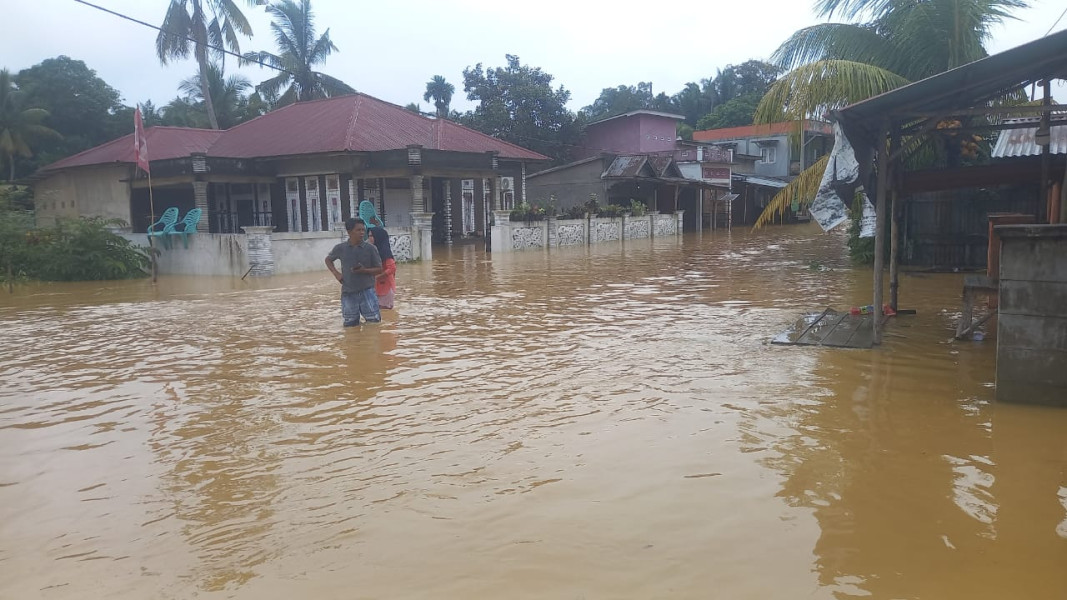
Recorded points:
841,177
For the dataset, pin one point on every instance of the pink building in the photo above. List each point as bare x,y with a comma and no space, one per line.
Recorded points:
635,132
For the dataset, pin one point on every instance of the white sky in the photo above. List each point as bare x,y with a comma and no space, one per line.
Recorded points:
390,49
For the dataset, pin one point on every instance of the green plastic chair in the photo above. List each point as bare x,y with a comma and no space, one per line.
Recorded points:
167,219
184,227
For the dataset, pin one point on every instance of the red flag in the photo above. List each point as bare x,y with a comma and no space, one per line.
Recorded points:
140,144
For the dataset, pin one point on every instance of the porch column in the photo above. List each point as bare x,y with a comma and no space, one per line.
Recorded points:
260,251
421,222
501,234
448,212
200,201
879,235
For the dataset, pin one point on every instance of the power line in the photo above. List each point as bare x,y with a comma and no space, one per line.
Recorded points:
187,38
1057,22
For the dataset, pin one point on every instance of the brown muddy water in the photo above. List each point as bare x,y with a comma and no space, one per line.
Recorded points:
605,422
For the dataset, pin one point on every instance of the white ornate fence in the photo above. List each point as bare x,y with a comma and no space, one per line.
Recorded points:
511,236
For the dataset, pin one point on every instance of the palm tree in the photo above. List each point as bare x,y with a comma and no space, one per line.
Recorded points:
896,42
19,127
227,93
205,25
300,51
441,92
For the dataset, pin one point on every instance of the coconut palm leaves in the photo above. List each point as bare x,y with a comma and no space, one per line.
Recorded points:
20,127
802,189
299,51
226,92
440,91
895,42
203,26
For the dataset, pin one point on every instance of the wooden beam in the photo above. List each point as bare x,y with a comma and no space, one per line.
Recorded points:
879,236
1001,110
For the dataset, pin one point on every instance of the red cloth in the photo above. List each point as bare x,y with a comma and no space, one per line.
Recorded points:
386,282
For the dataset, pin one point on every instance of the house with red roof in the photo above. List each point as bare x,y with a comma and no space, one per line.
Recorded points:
294,175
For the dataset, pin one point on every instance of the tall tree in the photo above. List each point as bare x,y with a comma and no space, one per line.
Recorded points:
440,91
228,93
885,44
205,27
294,33
517,104
620,100
81,106
20,125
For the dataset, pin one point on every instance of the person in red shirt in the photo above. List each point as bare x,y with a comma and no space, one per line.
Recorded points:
385,283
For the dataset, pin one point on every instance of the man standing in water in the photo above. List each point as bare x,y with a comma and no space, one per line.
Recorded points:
360,263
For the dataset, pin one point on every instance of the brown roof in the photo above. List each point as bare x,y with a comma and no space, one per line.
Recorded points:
769,129
355,123
163,143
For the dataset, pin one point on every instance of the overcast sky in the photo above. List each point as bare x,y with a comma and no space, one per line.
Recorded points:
391,49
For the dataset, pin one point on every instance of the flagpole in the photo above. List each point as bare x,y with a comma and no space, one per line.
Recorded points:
151,242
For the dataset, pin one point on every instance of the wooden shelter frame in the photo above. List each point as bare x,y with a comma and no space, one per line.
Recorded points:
878,126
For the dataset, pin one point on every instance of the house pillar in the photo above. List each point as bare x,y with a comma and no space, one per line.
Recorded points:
200,201
260,250
448,212
501,234
421,222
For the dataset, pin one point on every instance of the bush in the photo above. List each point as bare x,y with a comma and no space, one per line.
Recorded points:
527,212
574,212
637,209
611,211
73,250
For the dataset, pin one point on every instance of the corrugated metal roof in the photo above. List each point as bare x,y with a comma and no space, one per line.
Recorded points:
355,123
163,143
764,181
1020,142
628,165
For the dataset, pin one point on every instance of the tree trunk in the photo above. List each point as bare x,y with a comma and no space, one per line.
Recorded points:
204,89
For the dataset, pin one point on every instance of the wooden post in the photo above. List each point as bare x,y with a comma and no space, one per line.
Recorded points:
894,248
1045,125
879,235
894,217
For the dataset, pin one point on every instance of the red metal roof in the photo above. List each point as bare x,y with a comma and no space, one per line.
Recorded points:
355,123
163,143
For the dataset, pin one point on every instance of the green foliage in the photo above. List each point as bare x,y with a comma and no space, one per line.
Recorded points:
574,212
734,113
72,250
684,131
81,107
517,104
834,64
861,250
232,107
530,212
637,208
610,211
21,127
440,92
206,27
300,51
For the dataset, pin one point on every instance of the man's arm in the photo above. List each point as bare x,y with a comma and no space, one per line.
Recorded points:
333,269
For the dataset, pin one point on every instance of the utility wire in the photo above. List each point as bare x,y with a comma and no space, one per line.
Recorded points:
242,58
1057,22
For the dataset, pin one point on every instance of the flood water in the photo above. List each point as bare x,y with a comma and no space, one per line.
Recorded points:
606,422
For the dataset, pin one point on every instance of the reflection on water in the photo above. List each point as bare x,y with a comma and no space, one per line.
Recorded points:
606,422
